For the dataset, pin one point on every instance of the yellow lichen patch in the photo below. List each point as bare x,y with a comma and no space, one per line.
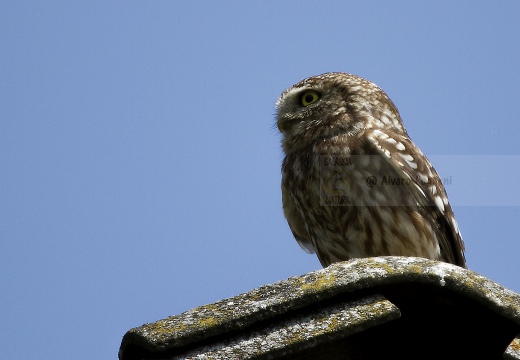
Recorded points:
163,327
208,322
515,345
320,283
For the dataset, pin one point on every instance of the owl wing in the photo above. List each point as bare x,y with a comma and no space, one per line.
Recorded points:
426,186
296,223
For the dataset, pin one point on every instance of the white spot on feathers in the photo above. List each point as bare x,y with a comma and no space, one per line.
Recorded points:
439,203
409,160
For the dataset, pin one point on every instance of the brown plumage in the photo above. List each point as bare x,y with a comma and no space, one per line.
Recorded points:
353,182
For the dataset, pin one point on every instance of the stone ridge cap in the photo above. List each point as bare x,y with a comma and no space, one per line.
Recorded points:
275,299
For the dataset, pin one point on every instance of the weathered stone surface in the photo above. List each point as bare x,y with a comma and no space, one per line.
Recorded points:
265,311
302,332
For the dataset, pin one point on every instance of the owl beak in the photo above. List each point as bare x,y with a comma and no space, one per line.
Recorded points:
280,126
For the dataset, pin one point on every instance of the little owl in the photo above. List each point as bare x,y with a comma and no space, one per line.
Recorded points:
353,182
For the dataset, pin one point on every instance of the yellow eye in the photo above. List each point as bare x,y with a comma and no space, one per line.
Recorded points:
309,97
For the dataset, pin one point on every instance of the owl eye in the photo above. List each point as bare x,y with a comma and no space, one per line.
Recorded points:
309,97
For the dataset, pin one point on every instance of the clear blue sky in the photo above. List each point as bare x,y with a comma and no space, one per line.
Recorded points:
140,164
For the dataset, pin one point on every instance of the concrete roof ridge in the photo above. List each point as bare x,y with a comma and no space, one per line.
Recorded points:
274,300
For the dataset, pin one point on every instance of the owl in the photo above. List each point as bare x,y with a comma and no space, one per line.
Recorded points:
353,183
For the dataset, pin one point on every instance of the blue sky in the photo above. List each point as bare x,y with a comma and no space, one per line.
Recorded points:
140,164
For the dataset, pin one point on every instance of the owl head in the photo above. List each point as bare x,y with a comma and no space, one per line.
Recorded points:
331,104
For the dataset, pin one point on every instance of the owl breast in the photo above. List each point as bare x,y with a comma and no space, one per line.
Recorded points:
354,204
